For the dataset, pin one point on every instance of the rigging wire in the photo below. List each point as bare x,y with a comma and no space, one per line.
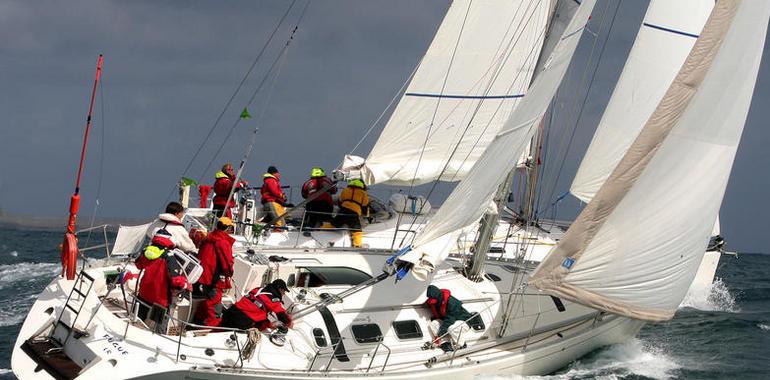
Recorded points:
275,68
101,162
393,100
235,93
446,165
278,60
585,98
432,120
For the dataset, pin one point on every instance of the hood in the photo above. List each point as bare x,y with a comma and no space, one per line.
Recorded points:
221,174
170,218
433,292
274,176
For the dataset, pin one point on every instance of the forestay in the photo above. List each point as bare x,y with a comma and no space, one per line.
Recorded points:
475,71
635,249
668,32
470,198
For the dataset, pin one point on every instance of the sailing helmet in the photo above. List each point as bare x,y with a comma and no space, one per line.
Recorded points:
357,183
317,172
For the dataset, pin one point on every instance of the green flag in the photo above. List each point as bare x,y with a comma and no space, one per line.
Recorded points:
245,114
188,182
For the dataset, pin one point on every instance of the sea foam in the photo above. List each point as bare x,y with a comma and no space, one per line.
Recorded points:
714,297
633,359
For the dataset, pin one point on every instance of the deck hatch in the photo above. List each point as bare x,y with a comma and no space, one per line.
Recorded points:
367,333
320,337
407,329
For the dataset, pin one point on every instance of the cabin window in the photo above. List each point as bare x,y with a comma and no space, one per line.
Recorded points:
320,337
367,333
407,329
492,277
321,276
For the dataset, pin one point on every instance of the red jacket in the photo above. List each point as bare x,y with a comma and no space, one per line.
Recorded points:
271,189
160,276
258,303
216,256
314,185
222,188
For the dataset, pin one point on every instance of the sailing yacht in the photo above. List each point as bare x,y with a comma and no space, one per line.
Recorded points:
628,259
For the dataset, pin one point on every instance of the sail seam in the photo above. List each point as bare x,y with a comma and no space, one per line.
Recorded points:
663,28
446,96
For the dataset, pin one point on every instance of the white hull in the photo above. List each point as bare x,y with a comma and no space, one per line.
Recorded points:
538,340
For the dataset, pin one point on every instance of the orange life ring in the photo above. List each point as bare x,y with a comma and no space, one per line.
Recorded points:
69,256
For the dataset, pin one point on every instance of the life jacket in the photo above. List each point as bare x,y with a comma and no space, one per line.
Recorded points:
271,189
259,303
223,185
216,258
316,184
162,272
355,199
438,307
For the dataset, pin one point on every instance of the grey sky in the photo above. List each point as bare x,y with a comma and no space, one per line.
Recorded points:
170,66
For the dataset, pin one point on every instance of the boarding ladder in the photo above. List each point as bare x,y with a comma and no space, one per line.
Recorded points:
77,288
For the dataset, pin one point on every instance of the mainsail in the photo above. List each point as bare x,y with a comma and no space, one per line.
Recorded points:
468,201
667,35
475,71
636,247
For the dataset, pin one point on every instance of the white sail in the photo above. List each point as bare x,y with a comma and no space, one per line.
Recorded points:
668,32
468,201
475,71
635,248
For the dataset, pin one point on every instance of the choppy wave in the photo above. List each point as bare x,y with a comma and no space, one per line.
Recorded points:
763,326
26,272
632,359
714,297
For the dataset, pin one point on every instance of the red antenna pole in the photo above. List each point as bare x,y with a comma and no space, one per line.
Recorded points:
75,199
69,247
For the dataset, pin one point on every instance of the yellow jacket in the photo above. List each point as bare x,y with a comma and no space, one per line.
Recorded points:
355,199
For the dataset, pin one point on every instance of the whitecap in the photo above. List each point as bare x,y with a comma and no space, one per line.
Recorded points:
26,272
3,371
14,253
633,358
713,297
763,326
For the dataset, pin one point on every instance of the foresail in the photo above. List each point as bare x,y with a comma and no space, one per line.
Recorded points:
635,248
468,201
475,71
667,34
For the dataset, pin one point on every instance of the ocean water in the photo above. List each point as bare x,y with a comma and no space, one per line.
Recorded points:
723,333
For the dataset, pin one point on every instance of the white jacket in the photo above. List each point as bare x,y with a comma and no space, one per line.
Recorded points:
174,226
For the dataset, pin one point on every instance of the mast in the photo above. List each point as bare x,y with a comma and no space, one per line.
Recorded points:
490,221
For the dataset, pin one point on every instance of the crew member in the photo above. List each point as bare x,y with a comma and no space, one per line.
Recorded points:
223,186
320,209
171,221
162,274
449,315
216,256
354,204
253,309
273,197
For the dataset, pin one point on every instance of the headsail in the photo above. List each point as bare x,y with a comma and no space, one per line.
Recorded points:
635,249
668,32
475,71
468,201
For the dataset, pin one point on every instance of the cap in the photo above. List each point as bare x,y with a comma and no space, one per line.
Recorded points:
226,221
280,285
272,169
